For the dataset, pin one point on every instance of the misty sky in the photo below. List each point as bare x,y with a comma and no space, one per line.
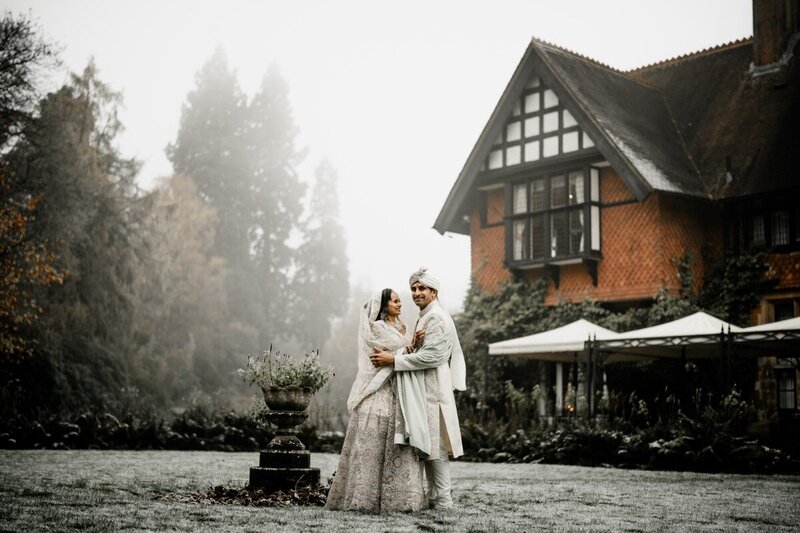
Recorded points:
395,94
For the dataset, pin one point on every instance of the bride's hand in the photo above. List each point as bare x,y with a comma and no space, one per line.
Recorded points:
380,358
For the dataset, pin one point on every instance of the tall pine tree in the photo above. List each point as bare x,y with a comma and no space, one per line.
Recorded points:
321,278
275,196
242,158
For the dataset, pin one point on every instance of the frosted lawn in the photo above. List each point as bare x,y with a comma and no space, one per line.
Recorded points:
112,490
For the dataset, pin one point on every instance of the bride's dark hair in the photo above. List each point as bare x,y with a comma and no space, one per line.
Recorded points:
386,295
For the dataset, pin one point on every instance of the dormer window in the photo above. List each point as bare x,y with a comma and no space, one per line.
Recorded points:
554,218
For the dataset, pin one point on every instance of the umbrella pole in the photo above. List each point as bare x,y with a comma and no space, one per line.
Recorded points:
684,376
590,378
723,364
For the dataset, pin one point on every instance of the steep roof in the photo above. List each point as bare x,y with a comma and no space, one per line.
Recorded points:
641,140
677,127
722,112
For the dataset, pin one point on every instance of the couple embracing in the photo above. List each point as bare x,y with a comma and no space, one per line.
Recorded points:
403,420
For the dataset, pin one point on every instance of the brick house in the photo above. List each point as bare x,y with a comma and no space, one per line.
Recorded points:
599,180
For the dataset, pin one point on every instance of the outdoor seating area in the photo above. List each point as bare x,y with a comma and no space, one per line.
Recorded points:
589,347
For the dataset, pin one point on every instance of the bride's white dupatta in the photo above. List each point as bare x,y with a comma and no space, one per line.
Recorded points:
373,333
411,422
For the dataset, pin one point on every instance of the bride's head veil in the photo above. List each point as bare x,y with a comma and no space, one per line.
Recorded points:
369,314
373,333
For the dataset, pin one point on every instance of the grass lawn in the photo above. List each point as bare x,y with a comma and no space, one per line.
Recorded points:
113,490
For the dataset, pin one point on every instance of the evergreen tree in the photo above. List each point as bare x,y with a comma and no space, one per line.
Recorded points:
211,150
321,279
274,197
242,158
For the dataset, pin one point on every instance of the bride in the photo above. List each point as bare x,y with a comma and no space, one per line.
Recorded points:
374,473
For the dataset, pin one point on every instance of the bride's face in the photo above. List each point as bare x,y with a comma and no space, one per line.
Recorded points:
394,306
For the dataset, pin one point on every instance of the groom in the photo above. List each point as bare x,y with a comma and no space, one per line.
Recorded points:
440,353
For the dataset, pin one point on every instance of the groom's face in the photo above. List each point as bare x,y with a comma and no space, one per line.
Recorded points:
422,295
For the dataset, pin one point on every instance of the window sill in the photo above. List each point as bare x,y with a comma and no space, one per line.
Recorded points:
553,266
555,261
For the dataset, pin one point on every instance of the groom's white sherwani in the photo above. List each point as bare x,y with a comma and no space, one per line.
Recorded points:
440,351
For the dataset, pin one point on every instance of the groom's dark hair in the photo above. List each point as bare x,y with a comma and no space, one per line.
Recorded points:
386,295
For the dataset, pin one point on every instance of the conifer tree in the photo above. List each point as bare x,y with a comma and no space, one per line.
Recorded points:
211,150
242,158
275,196
322,279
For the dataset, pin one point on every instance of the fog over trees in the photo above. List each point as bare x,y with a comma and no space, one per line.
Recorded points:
109,291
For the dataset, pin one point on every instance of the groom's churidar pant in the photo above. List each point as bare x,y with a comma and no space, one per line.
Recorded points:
438,473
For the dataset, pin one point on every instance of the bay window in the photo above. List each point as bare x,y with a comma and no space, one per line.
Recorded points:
553,218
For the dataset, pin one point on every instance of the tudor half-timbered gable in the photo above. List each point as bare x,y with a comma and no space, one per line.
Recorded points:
600,181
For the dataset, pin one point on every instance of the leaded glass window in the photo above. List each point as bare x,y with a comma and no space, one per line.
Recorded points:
780,227
537,195
757,230
787,389
555,217
772,223
558,192
520,202
576,184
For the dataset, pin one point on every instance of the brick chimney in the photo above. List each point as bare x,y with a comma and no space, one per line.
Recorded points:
774,22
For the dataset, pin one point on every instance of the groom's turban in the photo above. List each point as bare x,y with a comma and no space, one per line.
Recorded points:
424,278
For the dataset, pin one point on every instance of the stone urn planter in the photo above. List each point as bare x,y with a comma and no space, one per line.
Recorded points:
287,398
285,463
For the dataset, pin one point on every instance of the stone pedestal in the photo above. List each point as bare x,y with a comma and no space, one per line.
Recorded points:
285,463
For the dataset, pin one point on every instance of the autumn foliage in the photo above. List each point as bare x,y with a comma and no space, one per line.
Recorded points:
24,264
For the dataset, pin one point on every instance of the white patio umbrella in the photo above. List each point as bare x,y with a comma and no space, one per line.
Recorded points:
790,324
566,344
559,344
692,336
781,339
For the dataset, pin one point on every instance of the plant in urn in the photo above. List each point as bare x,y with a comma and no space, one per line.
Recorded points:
288,384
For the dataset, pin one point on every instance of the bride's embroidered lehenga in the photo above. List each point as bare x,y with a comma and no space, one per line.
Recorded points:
374,473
